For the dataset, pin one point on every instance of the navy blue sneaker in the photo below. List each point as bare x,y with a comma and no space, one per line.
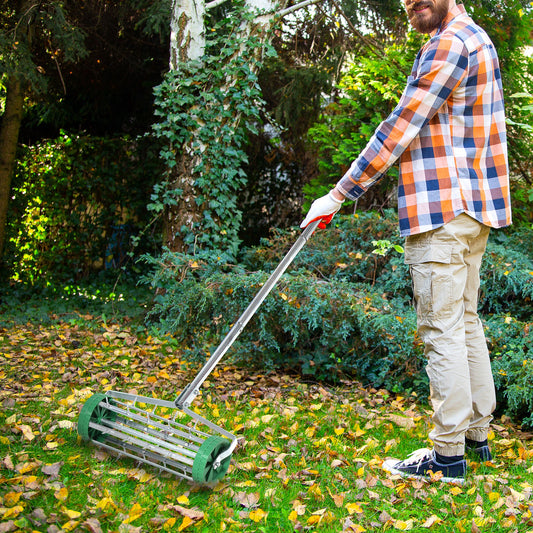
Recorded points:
481,449
423,463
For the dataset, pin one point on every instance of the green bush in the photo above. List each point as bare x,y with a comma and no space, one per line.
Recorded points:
77,202
344,308
511,344
324,329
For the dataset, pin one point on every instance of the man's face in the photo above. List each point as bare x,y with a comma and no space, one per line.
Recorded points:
426,15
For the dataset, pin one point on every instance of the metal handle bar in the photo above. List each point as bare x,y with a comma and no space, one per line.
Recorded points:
192,390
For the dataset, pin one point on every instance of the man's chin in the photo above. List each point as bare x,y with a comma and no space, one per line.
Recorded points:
423,24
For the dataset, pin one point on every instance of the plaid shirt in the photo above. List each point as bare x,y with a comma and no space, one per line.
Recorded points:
448,131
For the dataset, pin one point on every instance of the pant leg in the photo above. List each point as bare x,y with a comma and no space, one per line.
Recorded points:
442,272
481,380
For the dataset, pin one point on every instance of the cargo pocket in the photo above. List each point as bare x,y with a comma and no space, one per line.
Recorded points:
432,281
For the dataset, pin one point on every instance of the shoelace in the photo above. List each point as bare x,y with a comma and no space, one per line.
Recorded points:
418,456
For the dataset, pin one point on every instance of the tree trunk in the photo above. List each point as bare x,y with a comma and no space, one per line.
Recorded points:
187,39
188,43
9,133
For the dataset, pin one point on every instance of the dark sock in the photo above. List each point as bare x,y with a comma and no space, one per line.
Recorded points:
448,459
476,443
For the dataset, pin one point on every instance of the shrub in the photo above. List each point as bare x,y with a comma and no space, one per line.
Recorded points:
343,309
511,344
324,329
76,203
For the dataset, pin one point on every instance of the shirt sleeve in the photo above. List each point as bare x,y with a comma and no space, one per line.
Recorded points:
441,66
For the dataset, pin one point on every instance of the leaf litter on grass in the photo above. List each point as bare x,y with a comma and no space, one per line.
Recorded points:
309,455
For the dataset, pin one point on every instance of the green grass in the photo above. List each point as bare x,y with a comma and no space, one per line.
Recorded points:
309,456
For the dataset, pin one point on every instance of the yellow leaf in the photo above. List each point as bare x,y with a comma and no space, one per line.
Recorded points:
163,375
135,512
61,494
494,496
183,499
293,516
24,468
310,432
30,481
169,524
186,523
339,431
313,519
315,491
72,514
106,503
12,512
431,521
247,483
354,508
12,498
257,515
456,491
71,525
403,525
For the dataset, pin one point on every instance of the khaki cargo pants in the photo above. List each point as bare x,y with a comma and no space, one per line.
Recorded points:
444,266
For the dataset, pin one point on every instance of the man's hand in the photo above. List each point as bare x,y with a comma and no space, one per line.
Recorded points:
323,208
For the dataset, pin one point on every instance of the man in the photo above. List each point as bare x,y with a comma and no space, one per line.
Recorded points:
448,133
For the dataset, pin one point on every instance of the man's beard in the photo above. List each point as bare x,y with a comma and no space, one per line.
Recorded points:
425,24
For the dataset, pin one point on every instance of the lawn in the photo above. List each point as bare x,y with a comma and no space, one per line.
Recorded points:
309,454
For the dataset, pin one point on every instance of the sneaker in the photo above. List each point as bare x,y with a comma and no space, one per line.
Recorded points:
423,464
481,449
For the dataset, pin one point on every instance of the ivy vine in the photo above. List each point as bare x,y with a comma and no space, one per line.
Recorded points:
206,109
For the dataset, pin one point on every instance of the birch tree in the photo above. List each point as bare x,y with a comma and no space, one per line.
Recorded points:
198,196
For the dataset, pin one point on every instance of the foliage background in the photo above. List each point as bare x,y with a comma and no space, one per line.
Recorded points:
91,171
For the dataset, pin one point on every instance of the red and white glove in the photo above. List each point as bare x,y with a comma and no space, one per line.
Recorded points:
322,208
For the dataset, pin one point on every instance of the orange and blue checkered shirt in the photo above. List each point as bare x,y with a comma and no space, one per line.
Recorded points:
448,133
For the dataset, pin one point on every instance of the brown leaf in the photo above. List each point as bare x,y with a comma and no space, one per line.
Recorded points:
402,421
52,470
385,517
194,514
93,525
248,500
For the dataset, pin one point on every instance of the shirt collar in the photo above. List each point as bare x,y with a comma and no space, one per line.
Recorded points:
457,10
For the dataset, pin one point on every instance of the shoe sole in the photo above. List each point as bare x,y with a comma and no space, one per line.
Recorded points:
407,475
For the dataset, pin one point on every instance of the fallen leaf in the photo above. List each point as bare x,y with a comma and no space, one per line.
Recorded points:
135,512
185,523
93,525
61,494
193,514
403,525
257,515
402,421
52,470
12,498
354,508
431,521
248,500
26,431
